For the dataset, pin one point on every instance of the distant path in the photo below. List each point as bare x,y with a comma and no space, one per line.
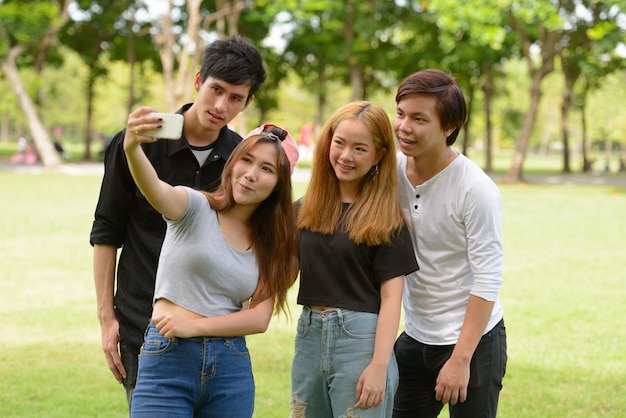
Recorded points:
302,174
576,178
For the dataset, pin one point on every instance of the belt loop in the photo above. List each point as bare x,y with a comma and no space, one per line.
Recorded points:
339,315
308,312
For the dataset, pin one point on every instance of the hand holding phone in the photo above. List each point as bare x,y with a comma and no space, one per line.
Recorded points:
171,126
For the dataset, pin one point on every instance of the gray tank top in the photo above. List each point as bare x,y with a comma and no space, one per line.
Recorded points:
198,269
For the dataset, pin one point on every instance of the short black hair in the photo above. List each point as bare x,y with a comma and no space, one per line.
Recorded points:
236,61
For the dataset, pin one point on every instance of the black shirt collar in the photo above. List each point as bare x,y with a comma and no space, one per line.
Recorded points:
226,141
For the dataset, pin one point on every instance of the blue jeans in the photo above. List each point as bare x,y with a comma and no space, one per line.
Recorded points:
332,349
193,377
420,364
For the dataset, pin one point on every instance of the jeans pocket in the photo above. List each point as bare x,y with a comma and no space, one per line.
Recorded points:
503,352
237,346
302,329
360,325
155,344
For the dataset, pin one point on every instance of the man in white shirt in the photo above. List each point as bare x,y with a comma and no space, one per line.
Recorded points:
453,348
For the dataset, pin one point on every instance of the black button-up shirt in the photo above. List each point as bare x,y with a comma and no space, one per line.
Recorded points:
125,219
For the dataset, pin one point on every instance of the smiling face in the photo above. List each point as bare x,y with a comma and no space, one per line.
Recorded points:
418,127
219,102
352,155
255,174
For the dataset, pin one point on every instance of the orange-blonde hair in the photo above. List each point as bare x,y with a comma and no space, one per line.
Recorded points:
375,215
272,226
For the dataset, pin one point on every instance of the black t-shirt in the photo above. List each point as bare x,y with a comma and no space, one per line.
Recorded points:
336,272
124,218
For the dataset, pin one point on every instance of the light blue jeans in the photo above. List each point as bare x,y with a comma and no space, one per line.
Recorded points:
193,377
332,349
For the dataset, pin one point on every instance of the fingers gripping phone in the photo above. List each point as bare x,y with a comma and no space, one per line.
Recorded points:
172,126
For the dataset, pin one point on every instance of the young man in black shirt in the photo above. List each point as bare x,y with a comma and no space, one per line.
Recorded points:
231,73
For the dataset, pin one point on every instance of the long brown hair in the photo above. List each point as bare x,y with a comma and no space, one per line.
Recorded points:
272,226
375,215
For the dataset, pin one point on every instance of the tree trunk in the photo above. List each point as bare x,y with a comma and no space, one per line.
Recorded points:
132,60
608,152
466,127
90,96
355,70
321,100
565,106
488,92
165,41
50,36
571,70
514,174
49,156
586,144
188,60
548,40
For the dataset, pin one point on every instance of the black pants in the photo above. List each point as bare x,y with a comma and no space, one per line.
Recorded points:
130,361
419,365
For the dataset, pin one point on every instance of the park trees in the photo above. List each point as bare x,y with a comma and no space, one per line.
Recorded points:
27,39
589,57
580,32
337,51
350,42
168,35
539,27
472,41
98,28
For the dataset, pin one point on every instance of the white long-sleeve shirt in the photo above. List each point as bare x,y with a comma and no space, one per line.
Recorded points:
456,227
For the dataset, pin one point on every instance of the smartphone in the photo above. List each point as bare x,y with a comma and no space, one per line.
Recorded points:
172,126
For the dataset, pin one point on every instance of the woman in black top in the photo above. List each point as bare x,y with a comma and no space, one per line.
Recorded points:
355,249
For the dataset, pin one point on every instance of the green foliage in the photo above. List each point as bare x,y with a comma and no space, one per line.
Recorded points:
18,27
342,42
479,22
65,101
536,14
111,27
381,41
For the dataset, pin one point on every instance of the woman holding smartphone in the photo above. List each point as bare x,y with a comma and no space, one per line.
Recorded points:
226,265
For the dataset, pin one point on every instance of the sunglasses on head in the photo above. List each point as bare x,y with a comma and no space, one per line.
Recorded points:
274,132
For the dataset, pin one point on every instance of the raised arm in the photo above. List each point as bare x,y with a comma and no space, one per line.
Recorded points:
167,200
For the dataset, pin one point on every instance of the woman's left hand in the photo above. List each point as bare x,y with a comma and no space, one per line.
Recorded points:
371,387
171,325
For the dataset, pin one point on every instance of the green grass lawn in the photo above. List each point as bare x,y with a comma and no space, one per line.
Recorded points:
563,295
